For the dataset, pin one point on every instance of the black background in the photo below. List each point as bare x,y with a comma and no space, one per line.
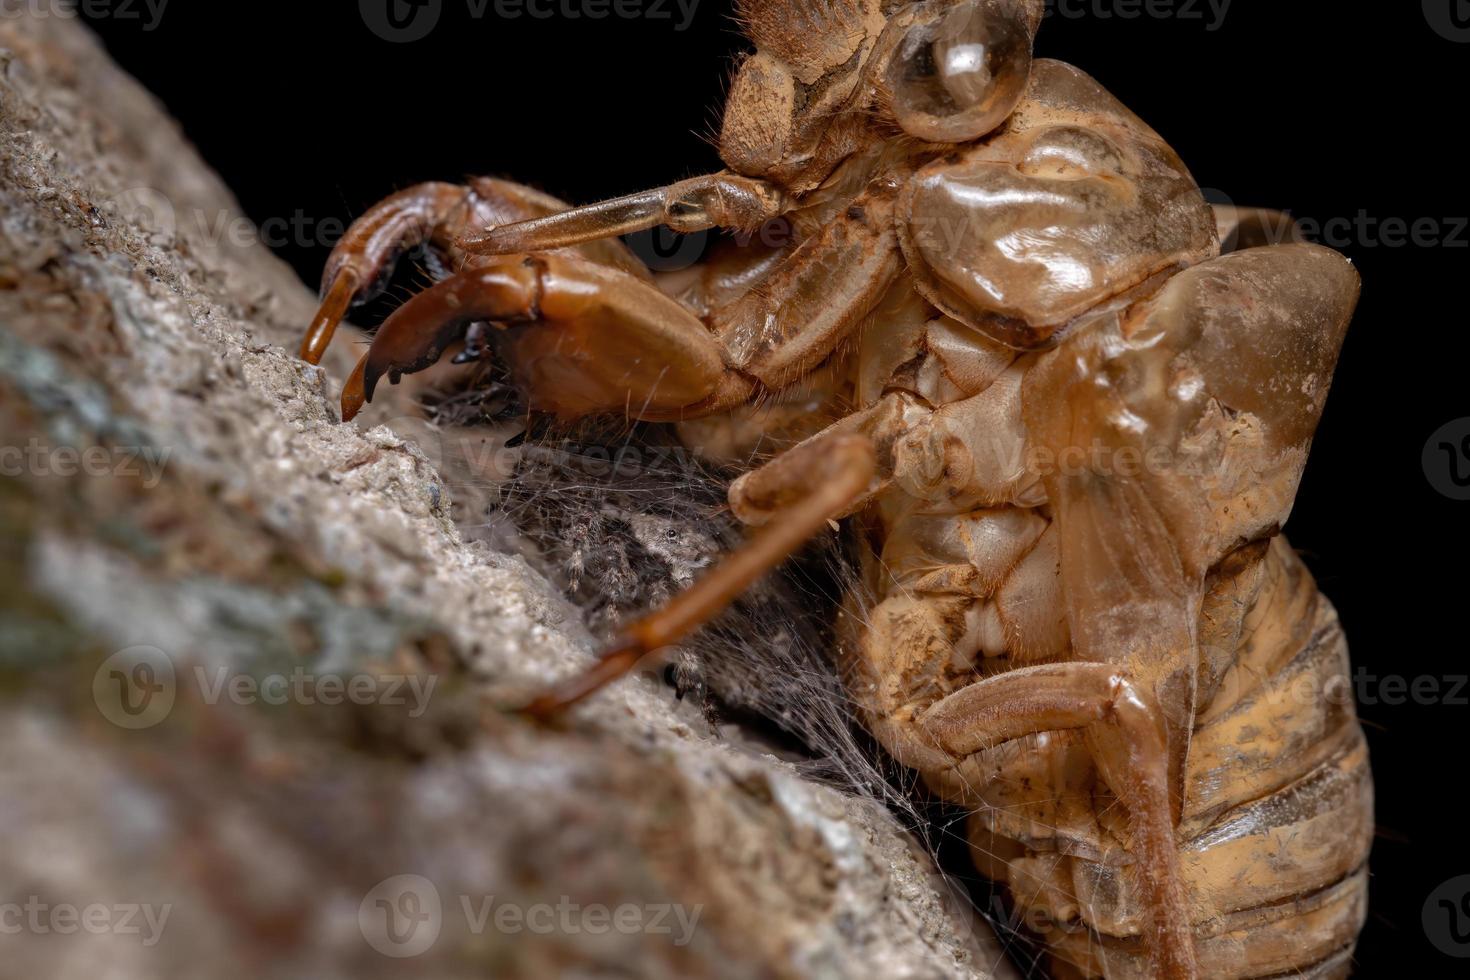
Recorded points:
1330,110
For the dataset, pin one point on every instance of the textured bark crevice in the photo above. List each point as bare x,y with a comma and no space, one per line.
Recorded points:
175,478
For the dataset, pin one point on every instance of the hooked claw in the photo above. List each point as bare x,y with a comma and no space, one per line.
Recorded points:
333,309
419,331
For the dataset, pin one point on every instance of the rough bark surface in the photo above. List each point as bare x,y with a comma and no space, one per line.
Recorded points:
175,478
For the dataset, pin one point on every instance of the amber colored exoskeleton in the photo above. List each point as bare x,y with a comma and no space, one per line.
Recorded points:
989,316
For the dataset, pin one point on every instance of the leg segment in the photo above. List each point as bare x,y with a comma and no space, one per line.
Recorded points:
763,495
368,250
801,311
819,296
436,214
594,338
600,340
1128,742
722,200
834,478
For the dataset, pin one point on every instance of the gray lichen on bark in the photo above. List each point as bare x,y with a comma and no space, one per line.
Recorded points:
175,478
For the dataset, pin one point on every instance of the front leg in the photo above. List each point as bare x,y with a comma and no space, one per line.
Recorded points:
584,338
372,245
797,314
594,339
434,214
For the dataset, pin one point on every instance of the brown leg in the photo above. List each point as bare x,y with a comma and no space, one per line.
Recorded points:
818,296
580,319
762,495
722,200
834,478
403,221
1127,738
607,341
437,214
777,333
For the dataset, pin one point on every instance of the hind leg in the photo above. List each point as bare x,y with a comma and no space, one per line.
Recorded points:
911,670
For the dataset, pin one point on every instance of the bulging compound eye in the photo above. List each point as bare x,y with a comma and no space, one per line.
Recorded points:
960,69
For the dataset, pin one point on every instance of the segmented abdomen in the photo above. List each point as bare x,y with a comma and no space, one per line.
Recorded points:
1277,809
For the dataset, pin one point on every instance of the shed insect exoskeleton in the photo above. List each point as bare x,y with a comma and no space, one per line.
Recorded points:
1002,341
